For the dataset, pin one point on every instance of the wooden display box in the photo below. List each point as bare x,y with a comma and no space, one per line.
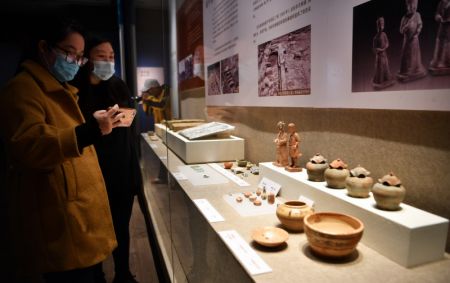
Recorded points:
409,236
205,150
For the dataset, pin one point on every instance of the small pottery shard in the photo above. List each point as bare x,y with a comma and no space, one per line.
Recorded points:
239,199
247,194
257,202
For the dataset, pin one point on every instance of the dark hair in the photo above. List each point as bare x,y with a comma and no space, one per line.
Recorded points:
52,30
93,41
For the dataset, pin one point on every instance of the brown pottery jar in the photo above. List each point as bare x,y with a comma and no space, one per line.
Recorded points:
389,192
316,168
291,214
359,183
336,173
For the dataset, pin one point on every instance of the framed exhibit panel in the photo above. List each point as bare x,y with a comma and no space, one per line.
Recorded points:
327,54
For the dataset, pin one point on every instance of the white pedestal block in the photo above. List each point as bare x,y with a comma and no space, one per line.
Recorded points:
409,236
207,150
160,131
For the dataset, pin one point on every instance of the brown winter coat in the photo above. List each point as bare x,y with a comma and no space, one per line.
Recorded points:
59,212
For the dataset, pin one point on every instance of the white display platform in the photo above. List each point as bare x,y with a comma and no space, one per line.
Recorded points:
160,131
409,236
207,150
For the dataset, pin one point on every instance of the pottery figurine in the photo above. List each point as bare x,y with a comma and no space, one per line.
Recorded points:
333,235
294,149
359,183
336,173
389,192
282,151
291,214
316,168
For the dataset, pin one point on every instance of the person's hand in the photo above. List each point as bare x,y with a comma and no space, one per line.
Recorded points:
108,119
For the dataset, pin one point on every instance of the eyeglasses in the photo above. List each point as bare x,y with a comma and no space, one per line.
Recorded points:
72,58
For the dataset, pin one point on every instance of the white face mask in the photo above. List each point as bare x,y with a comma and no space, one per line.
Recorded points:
103,69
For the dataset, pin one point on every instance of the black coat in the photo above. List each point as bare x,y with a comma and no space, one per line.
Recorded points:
117,152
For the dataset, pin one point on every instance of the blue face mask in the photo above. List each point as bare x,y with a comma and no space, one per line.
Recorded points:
63,70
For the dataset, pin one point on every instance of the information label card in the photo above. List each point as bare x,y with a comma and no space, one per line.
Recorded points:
208,210
251,261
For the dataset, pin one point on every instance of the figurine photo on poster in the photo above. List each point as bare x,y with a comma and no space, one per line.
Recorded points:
401,45
284,64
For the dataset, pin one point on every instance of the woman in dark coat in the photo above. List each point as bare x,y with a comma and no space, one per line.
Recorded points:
117,152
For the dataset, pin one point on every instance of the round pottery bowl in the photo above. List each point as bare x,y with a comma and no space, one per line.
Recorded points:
228,165
269,236
333,234
291,214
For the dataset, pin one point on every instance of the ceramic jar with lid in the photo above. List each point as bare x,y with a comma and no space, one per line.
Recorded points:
316,168
359,183
336,174
389,192
291,214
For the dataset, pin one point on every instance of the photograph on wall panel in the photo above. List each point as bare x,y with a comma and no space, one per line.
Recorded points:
213,79
401,45
284,64
229,69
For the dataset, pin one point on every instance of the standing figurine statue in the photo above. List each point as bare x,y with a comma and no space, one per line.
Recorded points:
382,77
281,143
294,152
411,67
440,65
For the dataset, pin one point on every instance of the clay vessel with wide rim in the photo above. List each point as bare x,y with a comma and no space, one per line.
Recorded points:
333,235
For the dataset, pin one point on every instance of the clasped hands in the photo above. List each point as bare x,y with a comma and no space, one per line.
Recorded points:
108,119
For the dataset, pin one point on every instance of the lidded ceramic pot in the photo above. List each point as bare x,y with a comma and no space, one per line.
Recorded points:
316,168
389,192
336,173
291,214
359,183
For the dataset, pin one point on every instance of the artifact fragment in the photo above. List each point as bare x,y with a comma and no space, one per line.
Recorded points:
271,198
239,199
247,194
257,202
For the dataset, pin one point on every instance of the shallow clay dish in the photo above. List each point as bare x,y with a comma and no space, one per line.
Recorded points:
269,236
332,234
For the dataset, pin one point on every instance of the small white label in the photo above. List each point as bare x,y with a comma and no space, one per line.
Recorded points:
269,185
163,157
152,145
179,176
309,202
251,261
208,210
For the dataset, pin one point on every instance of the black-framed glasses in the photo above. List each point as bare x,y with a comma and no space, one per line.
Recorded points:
72,58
